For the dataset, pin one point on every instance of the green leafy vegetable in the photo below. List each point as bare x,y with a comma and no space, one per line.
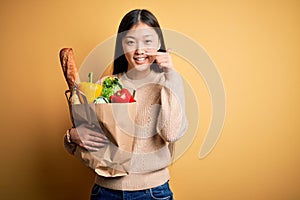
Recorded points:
101,99
110,86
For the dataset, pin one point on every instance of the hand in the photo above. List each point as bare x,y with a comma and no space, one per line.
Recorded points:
163,59
88,137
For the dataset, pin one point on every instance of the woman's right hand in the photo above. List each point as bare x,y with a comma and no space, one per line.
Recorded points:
88,137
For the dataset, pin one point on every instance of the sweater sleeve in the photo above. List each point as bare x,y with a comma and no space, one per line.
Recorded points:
70,148
172,121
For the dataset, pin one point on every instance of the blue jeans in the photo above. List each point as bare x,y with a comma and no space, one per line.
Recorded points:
162,192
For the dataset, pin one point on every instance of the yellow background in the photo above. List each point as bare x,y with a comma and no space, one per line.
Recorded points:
255,45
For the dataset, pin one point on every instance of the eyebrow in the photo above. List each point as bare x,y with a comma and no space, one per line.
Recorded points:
129,37
148,35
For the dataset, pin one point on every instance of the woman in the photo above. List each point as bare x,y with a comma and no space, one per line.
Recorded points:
142,64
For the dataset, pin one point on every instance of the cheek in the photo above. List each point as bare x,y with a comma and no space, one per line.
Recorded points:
127,52
129,56
151,59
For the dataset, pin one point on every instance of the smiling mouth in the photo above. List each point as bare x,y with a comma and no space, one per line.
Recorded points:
140,58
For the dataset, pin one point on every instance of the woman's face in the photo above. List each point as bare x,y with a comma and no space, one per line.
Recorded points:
140,41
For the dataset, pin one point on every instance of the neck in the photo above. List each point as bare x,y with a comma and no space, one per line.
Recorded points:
137,74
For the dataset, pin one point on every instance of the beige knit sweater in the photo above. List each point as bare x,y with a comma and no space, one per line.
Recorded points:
160,121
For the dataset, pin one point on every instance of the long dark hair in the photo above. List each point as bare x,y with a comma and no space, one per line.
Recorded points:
132,18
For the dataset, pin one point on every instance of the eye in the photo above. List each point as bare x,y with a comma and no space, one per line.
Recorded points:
130,42
148,41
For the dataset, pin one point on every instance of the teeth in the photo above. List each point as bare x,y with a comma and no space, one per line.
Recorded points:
140,59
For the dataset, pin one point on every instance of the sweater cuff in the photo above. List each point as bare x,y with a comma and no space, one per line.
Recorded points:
70,147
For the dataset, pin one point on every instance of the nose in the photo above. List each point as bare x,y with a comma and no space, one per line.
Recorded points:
140,48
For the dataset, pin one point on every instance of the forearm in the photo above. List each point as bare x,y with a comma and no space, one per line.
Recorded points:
172,120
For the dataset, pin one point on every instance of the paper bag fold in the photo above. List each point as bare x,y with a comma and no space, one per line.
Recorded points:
116,120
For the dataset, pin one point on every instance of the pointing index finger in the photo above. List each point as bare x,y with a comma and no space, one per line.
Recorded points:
157,53
151,53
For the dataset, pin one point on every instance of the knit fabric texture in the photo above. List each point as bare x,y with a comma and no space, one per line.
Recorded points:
160,122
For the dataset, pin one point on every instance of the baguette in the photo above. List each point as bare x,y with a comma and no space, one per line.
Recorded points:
70,71
69,67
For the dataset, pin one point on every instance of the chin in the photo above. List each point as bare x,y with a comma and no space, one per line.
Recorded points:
142,67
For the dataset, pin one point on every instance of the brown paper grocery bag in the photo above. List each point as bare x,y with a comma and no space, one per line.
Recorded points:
109,161
116,120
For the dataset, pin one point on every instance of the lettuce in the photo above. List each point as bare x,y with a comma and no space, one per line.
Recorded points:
110,86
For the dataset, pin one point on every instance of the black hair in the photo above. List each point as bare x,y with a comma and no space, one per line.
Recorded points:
132,18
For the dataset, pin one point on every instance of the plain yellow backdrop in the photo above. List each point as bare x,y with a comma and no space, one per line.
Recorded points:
254,44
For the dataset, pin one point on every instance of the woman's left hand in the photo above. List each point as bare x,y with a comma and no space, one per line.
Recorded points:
163,59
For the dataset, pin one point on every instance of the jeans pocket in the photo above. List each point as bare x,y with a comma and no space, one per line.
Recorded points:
162,192
96,190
